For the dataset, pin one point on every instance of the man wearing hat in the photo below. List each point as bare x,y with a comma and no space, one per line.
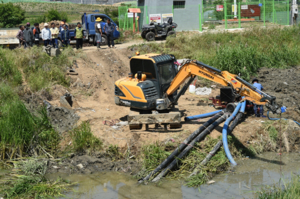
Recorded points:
98,31
261,107
46,35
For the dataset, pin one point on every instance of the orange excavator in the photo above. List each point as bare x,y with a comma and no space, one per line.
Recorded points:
151,90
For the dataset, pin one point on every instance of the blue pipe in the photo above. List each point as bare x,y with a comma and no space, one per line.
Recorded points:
224,134
279,118
243,106
194,117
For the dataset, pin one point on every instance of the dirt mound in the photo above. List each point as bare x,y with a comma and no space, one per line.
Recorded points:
62,119
57,24
89,164
283,84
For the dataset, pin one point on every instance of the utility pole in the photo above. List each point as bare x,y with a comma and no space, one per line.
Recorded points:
235,9
294,12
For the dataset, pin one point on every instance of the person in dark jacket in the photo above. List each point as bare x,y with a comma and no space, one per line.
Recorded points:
28,36
65,36
63,22
109,29
36,32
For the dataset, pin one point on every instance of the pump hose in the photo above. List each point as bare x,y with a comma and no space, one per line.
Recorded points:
181,147
190,146
194,117
274,119
224,134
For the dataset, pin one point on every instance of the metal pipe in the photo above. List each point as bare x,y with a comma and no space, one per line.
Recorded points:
181,147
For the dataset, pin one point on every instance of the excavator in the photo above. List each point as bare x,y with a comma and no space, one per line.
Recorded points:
151,89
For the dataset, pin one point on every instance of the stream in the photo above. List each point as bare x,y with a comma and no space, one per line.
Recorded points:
239,182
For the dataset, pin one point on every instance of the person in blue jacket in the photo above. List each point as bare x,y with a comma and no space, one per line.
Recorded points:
259,87
65,36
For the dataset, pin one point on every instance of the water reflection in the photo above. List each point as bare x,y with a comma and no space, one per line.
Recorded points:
248,176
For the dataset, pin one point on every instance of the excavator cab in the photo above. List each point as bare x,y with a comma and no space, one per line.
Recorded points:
150,77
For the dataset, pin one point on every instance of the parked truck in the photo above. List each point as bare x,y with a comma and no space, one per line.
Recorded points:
8,36
88,25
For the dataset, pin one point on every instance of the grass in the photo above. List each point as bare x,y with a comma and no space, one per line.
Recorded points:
286,191
244,52
21,131
29,182
84,140
40,70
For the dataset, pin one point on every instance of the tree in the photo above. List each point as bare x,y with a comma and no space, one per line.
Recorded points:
11,15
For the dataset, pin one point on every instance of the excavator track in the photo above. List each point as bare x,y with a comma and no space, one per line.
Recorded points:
136,120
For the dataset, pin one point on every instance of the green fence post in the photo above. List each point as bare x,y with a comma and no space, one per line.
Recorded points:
264,12
288,12
225,14
200,20
273,12
126,17
239,14
147,17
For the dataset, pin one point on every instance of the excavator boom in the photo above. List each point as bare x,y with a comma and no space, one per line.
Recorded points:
238,85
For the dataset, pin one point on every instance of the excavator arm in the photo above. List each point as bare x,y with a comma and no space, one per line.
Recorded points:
194,68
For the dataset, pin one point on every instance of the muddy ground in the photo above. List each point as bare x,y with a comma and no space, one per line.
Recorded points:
284,85
88,164
93,100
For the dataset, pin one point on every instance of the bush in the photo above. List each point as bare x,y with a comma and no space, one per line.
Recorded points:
53,14
84,140
11,15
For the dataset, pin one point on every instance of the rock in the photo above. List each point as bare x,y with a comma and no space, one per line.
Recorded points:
211,182
56,167
80,166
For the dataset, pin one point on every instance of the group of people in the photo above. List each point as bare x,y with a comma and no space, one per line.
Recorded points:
30,36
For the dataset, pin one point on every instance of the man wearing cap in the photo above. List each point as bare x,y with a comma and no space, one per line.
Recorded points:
46,35
79,36
261,107
54,35
98,30
28,36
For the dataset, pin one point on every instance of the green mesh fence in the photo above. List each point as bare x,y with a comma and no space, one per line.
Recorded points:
31,1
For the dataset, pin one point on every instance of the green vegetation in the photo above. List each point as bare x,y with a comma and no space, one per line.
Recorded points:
11,15
31,182
21,131
40,70
243,52
55,15
288,190
84,140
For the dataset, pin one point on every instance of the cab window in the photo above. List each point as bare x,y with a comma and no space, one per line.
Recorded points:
166,72
146,66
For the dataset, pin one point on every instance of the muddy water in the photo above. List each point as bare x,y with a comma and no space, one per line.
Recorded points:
239,182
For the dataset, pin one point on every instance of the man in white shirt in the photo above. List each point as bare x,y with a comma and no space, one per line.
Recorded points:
46,35
98,31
